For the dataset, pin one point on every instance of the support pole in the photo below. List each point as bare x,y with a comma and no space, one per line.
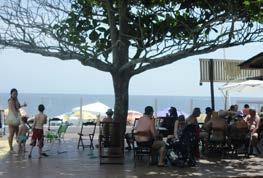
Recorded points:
80,111
211,78
155,107
226,100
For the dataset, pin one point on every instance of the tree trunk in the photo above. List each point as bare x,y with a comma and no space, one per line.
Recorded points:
121,91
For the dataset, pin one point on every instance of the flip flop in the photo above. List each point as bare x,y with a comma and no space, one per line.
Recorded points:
44,154
161,165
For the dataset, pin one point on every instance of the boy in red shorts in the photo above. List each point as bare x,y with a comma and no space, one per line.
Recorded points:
38,131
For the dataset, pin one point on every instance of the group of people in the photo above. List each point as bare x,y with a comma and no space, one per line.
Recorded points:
146,134
145,131
215,127
218,125
18,126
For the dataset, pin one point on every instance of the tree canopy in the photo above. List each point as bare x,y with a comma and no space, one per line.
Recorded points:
128,37
155,32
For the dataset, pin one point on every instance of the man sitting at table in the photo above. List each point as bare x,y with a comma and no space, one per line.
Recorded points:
146,135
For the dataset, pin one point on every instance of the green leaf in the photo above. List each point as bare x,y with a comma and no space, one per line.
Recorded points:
246,3
94,36
101,29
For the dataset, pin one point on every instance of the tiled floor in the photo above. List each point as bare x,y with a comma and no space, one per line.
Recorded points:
74,163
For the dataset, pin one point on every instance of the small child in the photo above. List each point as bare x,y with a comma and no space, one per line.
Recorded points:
38,131
22,135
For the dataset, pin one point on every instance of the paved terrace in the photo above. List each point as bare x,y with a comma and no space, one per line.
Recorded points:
79,164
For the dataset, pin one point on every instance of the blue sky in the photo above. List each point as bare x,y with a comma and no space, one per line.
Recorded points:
32,73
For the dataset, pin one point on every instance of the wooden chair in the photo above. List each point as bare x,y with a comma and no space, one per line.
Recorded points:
111,143
141,150
217,141
130,136
82,134
239,141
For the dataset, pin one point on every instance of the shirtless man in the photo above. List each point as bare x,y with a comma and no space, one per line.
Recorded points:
38,131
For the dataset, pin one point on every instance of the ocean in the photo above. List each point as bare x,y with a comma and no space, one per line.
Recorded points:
57,104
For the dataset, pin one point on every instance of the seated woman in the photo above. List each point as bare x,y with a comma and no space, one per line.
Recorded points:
178,129
187,147
169,121
146,135
192,121
238,133
218,126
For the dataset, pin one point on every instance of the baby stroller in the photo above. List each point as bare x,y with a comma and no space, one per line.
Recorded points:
181,152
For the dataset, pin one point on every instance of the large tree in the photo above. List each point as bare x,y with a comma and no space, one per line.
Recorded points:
127,37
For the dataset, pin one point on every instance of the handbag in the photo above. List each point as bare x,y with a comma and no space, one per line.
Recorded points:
12,120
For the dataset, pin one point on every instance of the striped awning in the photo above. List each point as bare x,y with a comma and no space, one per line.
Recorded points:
225,71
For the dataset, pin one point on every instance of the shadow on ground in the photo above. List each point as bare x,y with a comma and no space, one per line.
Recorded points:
71,162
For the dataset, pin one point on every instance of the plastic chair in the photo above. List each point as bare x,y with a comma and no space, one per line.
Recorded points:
56,135
54,122
90,136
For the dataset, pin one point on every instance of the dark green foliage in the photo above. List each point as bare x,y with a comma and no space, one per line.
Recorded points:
152,21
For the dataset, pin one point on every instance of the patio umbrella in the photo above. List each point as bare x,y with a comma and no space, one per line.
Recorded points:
94,108
132,115
248,86
85,115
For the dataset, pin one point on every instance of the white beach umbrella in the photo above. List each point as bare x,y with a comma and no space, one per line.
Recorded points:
249,86
86,115
246,86
132,115
95,108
